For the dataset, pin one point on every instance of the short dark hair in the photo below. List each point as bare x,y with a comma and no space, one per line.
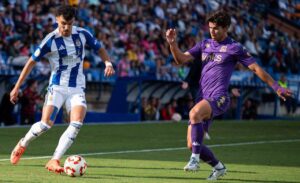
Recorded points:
220,18
68,12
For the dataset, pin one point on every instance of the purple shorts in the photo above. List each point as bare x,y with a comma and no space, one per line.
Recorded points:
219,105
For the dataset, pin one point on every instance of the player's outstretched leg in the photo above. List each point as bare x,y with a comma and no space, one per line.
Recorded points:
64,143
36,130
218,171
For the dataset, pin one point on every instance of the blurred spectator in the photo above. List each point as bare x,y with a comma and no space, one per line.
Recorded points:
249,110
30,98
167,111
123,66
290,103
6,109
150,109
134,28
43,69
191,81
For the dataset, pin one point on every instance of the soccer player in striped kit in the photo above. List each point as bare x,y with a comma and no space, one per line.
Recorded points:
65,50
219,56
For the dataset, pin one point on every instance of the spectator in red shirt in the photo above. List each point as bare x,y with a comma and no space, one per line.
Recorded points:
29,99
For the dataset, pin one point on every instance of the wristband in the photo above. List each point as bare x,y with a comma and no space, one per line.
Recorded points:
275,86
278,88
108,64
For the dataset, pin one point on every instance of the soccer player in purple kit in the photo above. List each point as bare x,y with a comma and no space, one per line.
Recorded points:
219,56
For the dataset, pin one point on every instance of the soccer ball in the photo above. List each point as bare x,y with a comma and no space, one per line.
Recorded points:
75,166
176,117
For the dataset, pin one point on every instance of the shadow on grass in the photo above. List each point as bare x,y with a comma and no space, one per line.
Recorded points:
187,178
263,181
157,168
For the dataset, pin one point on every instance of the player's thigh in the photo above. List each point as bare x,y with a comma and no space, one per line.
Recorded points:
53,102
201,111
76,105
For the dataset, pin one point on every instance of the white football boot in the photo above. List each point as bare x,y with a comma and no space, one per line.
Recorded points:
216,173
192,165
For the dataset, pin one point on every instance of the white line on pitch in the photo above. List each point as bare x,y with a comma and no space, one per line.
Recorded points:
170,149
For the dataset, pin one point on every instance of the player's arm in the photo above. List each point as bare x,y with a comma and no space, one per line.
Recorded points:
26,70
179,56
109,70
265,77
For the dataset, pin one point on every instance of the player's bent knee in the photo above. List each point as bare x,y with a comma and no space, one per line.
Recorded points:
195,117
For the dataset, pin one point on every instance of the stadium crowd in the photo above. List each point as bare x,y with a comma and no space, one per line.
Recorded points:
133,33
131,30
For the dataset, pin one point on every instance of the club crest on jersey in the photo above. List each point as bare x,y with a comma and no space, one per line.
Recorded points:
78,43
207,45
223,49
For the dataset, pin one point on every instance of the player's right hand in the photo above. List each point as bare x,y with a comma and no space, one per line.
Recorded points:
171,36
14,95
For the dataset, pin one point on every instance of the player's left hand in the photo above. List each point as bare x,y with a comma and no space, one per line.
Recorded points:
109,71
283,93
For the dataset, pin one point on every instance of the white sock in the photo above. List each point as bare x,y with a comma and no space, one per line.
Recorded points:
219,165
36,130
66,139
197,156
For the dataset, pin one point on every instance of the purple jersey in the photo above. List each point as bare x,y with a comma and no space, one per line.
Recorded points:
218,62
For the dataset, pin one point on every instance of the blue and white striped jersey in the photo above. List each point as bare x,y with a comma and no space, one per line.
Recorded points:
66,55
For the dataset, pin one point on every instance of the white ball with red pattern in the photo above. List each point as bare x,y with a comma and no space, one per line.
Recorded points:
75,166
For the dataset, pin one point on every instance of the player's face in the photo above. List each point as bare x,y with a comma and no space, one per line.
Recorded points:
217,33
64,26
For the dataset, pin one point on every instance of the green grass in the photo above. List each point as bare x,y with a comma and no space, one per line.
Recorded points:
277,162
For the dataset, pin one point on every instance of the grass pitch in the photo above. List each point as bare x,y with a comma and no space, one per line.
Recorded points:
253,151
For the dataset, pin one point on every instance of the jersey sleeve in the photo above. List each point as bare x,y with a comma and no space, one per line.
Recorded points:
196,51
43,48
91,40
244,57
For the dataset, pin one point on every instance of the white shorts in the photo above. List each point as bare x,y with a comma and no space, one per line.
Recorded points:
58,95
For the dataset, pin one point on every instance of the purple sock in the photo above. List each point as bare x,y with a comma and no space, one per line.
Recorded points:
197,137
208,156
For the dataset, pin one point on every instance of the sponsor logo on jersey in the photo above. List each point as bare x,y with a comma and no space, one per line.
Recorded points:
218,58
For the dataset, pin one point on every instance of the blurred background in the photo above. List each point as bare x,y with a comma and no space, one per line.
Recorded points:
148,86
